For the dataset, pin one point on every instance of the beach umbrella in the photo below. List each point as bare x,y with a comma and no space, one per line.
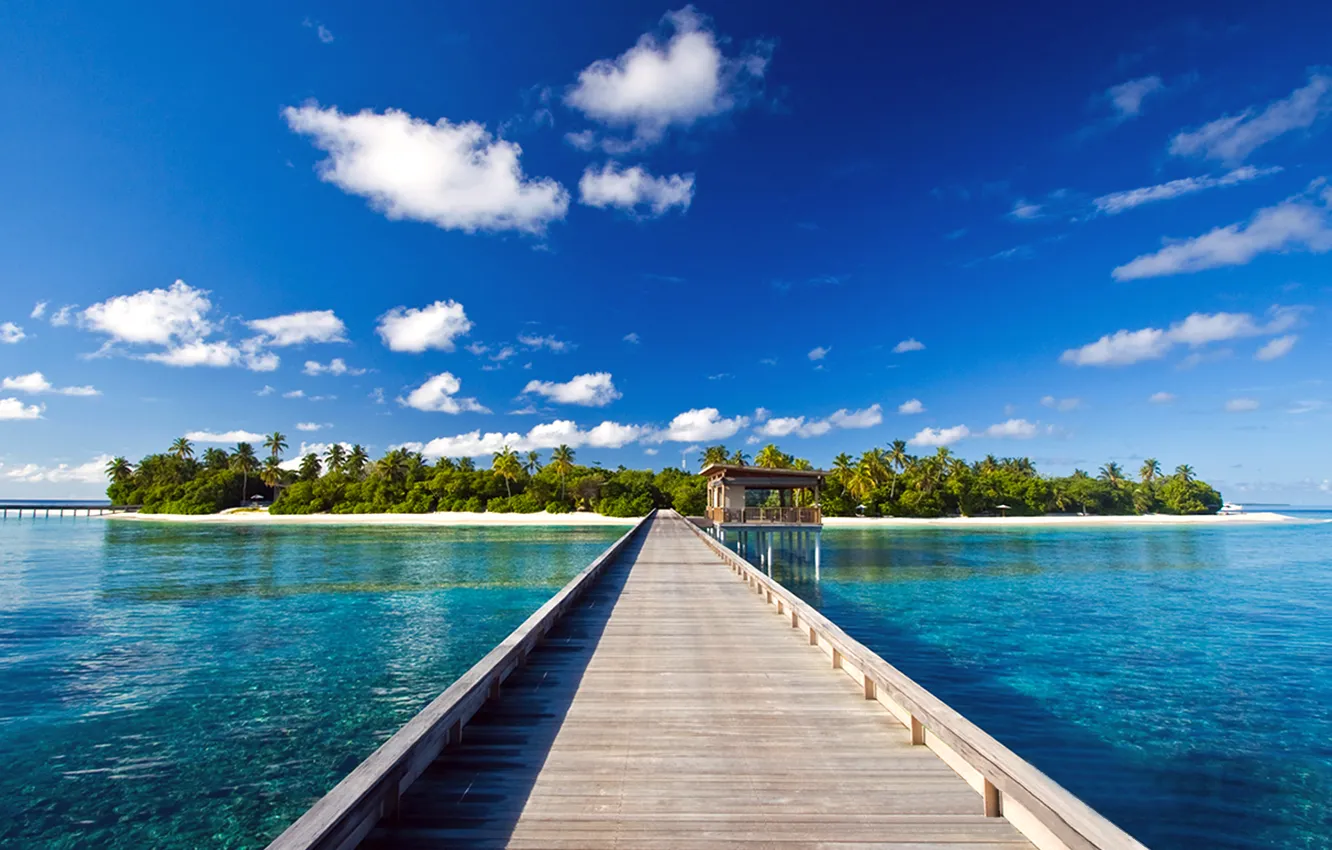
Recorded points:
1004,508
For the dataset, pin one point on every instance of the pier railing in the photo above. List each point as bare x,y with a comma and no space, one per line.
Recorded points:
345,815
1042,810
45,508
775,516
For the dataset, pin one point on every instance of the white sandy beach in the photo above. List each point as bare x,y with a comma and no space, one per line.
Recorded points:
246,517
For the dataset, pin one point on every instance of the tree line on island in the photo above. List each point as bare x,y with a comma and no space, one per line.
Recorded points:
880,482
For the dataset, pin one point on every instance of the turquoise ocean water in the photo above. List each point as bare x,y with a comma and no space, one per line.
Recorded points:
175,686
1179,680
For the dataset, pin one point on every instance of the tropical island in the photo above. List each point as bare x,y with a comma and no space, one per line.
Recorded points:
879,483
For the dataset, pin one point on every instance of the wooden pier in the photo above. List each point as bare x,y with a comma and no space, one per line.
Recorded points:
673,696
45,509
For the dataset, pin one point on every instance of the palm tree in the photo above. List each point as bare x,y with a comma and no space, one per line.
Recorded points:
272,474
466,464
119,470
310,467
563,460
337,456
1184,473
506,465
532,463
1112,474
182,448
276,443
244,461
392,466
714,454
771,457
1150,471
842,468
898,460
356,460
861,481
215,458
739,458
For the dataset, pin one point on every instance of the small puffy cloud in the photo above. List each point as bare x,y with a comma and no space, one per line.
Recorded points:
311,426
1293,225
34,383
38,310
217,354
550,343
11,333
800,426
1241,405
1124,347
321,32
235,436
595,389
1278,347
631,338
866,418
454,176
294,394
432,327
1117,202
1127,97
12,408
92,472
266,390
911,407
699,425
1161,398
1061,404
631,188
336,366
819,353
167,317
63,316
439,395
611,435
1231,138
299,328
936,437
910,344
653,86
1025,210
1016,429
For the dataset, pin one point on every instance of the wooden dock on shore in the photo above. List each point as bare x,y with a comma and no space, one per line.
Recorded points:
45,508
673,696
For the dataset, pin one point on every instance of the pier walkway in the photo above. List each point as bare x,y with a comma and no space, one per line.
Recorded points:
676,703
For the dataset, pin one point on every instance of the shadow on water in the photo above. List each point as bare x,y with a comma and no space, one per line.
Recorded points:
1195,796
474,794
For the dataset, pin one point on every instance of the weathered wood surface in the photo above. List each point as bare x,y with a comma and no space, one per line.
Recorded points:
671,709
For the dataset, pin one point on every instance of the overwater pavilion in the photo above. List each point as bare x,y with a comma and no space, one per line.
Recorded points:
800,525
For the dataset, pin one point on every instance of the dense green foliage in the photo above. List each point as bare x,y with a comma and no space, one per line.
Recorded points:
881,482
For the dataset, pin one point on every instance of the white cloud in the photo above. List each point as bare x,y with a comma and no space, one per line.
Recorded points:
377,395
762,414
819,353
699,425
299,328
267,390
591,390
1306,406
866,418
63,316
1161,398
323,33
1017,429
1233,137
549,435
438,395
311,426
653,86
935,437
166,317
1127,97
1061,404
38,310
1025,210
631,338
455,176
784,426
1124,347
435,326
35,382
1241,405
1278,347
12,408
11,333
911,344
1118,202
1291,225
336,366
649,451
911,407
630,188
535,341
92,472
198,353
236,436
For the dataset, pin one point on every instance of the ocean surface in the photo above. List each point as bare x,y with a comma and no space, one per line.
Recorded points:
168,686
1177,679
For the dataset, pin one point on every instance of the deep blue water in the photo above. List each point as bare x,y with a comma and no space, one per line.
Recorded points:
172,686
1177,679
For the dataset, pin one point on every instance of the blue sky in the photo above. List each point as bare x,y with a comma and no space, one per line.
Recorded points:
1075,234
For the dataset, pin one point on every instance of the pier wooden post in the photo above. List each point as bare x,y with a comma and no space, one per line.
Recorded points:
993,801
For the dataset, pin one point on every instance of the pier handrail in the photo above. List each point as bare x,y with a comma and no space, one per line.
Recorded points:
1044,811
345,815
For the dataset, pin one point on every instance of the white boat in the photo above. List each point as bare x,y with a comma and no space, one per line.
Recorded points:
1230,508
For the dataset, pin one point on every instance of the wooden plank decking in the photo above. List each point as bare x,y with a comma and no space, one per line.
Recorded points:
671,708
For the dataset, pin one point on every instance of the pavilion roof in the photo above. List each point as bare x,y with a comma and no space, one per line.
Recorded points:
770,477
